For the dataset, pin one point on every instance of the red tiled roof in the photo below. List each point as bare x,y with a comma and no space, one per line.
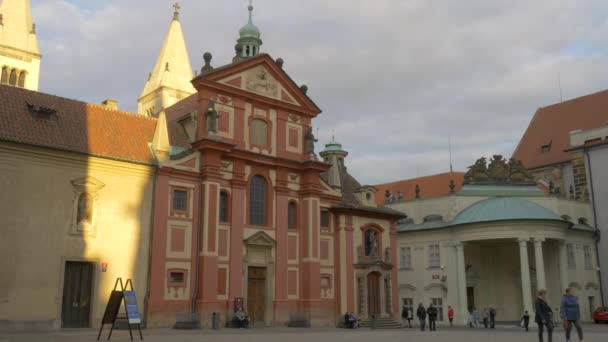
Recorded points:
430,186
74,126
552,125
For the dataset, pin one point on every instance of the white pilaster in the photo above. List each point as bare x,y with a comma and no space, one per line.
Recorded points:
525,274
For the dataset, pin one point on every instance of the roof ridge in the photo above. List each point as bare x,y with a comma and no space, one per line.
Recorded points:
421,177
119,111
573,99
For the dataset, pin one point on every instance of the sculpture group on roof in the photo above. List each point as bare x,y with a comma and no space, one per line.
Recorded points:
498,171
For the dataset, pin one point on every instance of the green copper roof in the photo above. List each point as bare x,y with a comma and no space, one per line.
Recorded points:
333,145
501,191
504,208
249,30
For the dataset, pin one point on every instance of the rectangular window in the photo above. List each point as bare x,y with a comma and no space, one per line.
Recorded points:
180,200
291,215
588,259
438,304
259,132
223,207
293,137
405,257
176,277
434,256
571,255
324,220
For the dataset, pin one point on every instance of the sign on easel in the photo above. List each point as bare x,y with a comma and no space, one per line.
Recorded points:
132,316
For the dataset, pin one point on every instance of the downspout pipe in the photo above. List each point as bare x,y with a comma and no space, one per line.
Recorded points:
597,232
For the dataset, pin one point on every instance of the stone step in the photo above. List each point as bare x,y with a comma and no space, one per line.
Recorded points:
382,323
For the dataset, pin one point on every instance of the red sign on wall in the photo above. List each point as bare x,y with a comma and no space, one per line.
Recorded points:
104,266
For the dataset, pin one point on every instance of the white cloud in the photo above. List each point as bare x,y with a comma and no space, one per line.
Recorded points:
394,77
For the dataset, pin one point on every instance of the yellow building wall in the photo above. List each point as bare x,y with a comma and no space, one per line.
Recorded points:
37,214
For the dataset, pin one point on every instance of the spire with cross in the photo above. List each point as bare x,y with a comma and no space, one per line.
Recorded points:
176,7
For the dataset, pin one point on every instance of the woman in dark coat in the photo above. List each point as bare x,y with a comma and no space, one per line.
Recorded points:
571,313
544,316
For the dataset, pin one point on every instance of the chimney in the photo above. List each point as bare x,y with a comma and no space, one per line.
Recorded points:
110,104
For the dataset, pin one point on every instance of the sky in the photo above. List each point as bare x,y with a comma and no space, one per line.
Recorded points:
396,79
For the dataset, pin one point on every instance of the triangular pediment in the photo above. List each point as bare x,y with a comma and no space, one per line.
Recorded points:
260,239
262,76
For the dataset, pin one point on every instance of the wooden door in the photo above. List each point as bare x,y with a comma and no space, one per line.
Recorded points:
256,294
470,298
373,294
77,284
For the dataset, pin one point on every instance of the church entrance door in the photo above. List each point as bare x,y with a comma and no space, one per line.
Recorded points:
373,294
77,284
256,294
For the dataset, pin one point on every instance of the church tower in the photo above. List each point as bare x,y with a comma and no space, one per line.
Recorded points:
169,82
19,53
334,155
249,42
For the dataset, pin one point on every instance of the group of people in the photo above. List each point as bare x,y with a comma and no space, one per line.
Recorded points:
350,320
240,319
570,314
487,316
422,313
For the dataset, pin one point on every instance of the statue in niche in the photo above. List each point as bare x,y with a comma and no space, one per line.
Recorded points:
211,118
84,214
371,243
309,146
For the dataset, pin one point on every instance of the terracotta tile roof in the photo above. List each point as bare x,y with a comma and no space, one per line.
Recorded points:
430,186
349,185
74,126
551,127
177,136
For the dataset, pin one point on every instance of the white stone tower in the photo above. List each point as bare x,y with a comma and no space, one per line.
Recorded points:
169,82
19,53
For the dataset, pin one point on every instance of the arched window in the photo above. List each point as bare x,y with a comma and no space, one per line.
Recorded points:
21,82
12,80
247,51
85,209
257,201
4,77
259,132
291,215
224,212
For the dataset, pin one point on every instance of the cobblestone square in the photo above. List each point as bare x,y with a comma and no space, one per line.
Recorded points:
593,333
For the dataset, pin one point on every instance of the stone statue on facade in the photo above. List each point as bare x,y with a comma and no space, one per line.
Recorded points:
309,144
373,244
499,171
211,116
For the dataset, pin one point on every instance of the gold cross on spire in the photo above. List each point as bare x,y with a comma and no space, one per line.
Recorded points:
177,7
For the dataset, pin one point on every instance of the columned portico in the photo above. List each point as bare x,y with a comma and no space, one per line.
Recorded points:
526,286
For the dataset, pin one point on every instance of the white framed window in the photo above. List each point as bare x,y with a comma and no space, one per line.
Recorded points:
405,257
571,255
588,258
434,256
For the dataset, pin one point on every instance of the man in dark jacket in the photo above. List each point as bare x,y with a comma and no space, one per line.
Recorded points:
544,316
421,314
432,312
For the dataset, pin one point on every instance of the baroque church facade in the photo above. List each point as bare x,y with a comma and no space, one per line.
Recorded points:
230,206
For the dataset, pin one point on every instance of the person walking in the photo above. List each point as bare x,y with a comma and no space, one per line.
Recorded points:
485,316
403,315
571,313
476,317
432,312
525,320
544,316
421,314
451,315
492,317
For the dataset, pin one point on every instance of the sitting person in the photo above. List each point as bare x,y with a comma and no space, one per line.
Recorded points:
241,319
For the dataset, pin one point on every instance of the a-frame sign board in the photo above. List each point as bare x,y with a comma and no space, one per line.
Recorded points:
124,292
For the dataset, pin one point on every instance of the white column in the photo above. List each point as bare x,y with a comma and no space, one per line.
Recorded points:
462,284
526,287
563,265
541,282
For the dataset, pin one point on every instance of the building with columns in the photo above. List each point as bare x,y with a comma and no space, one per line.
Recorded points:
494,243
246,215
19,53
